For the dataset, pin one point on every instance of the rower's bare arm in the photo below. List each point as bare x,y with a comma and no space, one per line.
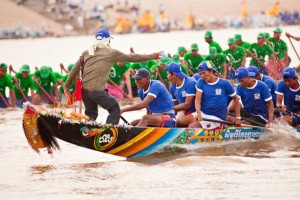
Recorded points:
186,105
140,105
198,104
270,111
279,101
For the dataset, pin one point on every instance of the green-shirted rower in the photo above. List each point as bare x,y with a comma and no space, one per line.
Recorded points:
6,81
240,42
118,72
26,82
219,61
236,57
193,59
260,50
209,39
45,78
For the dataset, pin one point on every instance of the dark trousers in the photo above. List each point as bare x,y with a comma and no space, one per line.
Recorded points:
92,99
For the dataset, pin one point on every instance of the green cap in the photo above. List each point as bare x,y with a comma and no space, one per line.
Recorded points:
260,35
208,34
194,46
231,40
238,37
25,68
267,35
70,67
181,49
45,71
278,30
213,51
164,60
176,58
3,65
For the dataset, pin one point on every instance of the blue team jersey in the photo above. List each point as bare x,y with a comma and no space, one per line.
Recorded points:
187,88
291,97
215,97
254,98
272,86
162,102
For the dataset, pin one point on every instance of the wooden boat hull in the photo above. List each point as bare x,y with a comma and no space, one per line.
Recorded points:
42,127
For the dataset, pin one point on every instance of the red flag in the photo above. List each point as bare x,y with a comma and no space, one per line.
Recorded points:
77,92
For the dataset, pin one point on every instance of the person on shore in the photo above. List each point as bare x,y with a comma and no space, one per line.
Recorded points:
255,97
193,59
292,36
209,40
212,98
183,92
26,82
6,81
288,96
48,82
156,99
96,63
219,61
236,57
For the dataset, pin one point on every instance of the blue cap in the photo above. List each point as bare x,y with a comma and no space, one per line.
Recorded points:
253,71
241,73
102,33
141,73
206,65
175,68
288,73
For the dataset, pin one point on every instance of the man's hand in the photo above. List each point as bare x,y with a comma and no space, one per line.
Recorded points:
69,96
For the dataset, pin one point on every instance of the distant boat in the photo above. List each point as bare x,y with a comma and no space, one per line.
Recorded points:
42,127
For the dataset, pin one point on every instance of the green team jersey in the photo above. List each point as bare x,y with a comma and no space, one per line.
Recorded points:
6,81
45,82
72,88
58,75
192,61
218,61
25,84
279,47
116,73
245,45
235,57
163,73
260,52
215,44
146,65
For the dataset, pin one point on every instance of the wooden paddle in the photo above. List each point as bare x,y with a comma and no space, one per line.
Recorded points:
294,48
232,123
125,120
20,89
44,91
249,120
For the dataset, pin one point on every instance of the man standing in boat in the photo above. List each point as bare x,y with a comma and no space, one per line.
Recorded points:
255,97
288,96
183,92
96,64
212,97
156,98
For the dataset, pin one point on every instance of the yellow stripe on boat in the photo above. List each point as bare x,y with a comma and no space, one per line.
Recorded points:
143,143
132,141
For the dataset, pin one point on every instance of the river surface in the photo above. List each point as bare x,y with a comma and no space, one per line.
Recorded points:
268,168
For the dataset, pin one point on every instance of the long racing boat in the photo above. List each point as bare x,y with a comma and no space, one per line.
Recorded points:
42,127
